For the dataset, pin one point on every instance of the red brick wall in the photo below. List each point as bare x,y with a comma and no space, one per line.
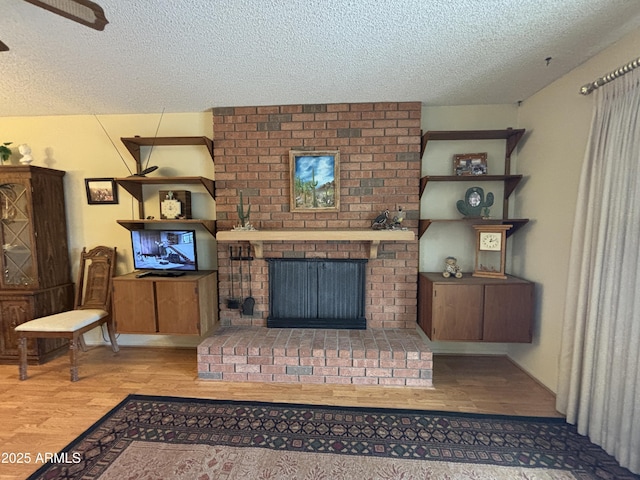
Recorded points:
379,146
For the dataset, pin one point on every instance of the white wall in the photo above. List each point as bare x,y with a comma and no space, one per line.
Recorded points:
439,198
79,146
557,120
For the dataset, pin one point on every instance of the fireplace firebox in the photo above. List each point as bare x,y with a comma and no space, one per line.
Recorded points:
317,293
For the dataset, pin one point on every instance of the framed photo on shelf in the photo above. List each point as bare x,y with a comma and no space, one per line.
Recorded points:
470,164
315,181
101,191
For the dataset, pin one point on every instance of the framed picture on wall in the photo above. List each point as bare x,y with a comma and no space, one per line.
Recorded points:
101,191
315,181
470,164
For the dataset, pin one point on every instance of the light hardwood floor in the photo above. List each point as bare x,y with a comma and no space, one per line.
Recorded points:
46,412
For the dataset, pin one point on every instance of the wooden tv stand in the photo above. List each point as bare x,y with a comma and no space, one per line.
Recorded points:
185,305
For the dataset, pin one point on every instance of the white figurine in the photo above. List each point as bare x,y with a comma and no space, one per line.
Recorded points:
25,151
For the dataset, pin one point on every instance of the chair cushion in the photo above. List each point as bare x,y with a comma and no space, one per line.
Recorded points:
63,322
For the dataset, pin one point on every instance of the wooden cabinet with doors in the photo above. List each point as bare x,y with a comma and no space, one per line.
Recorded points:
185,305
35,276
475,309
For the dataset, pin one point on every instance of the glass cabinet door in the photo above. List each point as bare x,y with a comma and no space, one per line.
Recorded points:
16,229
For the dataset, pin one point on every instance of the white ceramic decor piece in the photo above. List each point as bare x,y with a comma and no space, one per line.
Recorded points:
25,151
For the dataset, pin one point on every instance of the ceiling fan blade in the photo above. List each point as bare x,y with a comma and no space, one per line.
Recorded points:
85,12
3,47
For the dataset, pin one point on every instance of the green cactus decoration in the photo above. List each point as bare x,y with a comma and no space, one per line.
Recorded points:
475,204
314,184
244,217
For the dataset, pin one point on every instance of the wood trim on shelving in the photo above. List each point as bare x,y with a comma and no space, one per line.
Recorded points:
512,135
257,237
133,144
510,184
210,225
134,184
510,181
423,225
517,223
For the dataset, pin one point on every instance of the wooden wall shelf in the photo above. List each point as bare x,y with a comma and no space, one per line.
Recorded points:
517,223
133,144
210,225
134,184
510,181
511,135
257,237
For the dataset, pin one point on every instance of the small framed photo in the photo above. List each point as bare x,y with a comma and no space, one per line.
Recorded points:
101,191
315,181
470,164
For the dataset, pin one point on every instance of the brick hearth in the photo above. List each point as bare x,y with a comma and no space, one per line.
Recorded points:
288,355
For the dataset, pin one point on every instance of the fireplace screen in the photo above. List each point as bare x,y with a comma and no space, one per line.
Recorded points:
316,293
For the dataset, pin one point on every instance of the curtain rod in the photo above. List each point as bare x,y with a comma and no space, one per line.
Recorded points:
590,87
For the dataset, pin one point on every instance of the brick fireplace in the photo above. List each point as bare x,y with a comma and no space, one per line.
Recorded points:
380,167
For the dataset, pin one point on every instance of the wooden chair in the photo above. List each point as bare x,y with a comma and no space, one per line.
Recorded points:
92,308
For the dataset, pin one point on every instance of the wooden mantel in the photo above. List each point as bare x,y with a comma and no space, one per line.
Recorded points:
257,237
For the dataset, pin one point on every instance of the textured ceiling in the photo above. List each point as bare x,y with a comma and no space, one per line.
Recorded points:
192,55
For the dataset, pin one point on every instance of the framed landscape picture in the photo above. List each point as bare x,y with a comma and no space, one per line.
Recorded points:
101,191
315,180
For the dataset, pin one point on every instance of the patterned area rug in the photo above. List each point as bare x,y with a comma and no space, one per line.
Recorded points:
178,438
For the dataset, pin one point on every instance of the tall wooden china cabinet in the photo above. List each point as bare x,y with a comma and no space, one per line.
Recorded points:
35,274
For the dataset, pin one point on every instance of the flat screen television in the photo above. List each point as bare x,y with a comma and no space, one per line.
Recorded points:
164,250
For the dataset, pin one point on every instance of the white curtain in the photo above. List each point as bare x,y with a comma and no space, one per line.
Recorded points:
599,387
